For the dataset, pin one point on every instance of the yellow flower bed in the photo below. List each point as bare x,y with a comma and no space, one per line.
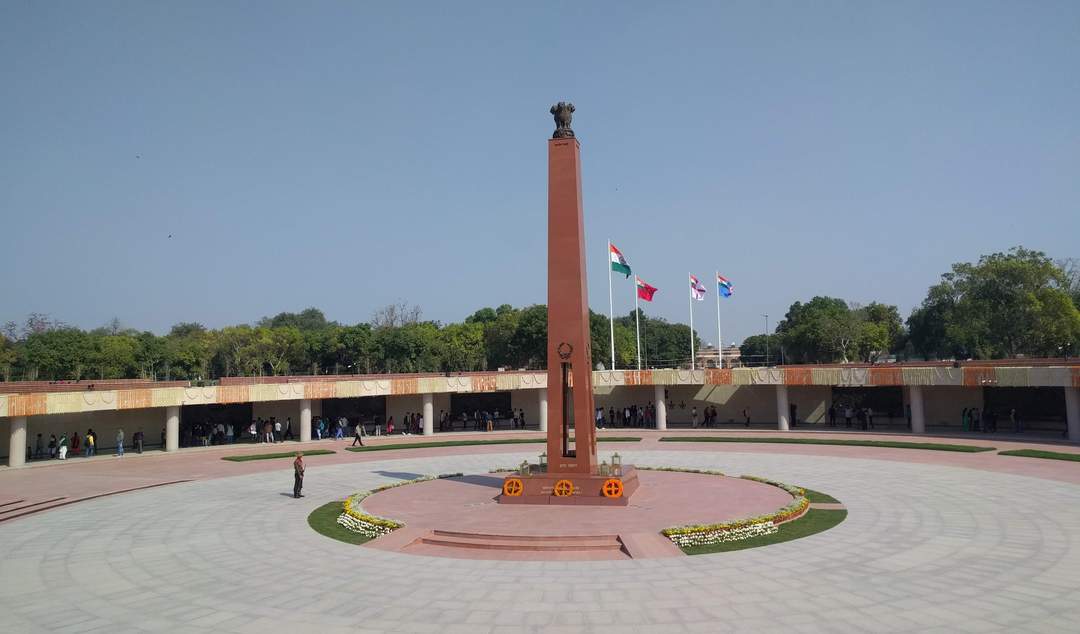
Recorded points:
710,533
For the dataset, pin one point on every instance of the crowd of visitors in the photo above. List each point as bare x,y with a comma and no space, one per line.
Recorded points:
66,447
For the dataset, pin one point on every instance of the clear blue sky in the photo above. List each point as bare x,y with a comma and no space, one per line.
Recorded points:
346,155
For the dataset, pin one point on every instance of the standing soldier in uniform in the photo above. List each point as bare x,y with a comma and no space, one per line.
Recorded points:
298,475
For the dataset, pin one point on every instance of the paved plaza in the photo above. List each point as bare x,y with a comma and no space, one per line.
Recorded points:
926,546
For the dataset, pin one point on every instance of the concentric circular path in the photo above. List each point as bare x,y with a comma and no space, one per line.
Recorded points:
925,546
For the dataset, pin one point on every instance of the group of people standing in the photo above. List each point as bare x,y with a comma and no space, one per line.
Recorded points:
628,416
62,447
863,416
986,421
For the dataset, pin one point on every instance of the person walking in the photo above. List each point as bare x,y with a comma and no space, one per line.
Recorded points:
832,415
599,417
120,443
298,475
1015,420
358,436
137,439
52,446
847,416
74,443
91,442
62,447
288,429
39,447
277,431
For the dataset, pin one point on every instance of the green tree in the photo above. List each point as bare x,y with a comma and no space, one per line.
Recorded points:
305,320
114,356
57,354
530,337
189,350
358,349
1006,304
8,357
461,347
753,349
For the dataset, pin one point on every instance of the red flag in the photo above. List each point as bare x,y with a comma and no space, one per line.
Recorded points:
644,291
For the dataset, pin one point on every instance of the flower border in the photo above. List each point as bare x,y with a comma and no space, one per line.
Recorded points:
356,520
736,530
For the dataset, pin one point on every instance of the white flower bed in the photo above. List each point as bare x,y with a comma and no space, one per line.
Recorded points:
721,536
357,525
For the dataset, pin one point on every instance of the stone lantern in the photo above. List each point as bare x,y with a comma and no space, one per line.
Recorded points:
524,468
616,464
605,470
543,462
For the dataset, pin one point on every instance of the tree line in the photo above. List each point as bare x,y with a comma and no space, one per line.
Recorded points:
1018,303
396,340
1004,305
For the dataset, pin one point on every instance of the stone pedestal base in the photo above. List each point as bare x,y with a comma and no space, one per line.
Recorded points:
539,488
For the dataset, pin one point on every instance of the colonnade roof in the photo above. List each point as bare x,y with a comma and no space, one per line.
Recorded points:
41,398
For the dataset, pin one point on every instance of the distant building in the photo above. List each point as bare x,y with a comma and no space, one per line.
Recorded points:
706,357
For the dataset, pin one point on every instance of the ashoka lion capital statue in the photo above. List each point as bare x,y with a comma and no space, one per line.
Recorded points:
564,114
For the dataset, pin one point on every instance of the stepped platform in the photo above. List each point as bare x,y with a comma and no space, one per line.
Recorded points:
462,518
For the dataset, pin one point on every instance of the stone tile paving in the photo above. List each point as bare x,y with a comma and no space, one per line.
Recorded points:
926,547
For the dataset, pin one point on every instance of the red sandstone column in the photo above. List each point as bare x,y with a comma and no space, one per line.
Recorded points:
569,356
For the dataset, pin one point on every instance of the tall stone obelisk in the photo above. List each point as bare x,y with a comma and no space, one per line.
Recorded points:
571,440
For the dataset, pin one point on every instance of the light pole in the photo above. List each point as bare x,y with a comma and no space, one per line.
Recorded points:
766,316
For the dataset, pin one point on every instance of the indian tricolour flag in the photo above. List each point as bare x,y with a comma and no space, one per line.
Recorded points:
618,262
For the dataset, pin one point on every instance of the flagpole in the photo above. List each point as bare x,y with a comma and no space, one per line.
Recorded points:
646,343
611,305
719,338
637,322
691,300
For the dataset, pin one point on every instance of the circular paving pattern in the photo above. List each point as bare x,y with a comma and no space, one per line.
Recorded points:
924,546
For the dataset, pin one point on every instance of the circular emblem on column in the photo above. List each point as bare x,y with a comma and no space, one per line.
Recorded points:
613,488
564,488
513,487
565,350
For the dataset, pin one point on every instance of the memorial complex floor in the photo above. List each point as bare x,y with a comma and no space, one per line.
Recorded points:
934,540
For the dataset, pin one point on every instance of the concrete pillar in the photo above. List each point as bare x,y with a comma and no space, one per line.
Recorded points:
429,414
17,446
172,428
1072,413
543,409
305,420
782,411
661,407
918,415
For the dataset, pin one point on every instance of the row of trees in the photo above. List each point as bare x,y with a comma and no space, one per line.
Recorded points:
1006,304
396,339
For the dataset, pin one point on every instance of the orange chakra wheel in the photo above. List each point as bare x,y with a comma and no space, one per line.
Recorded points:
513,487
613,488
564,488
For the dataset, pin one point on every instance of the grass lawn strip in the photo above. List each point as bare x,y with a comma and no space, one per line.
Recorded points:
814,521
324,521
893,444
817,497
283,454
464,443
1038,453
